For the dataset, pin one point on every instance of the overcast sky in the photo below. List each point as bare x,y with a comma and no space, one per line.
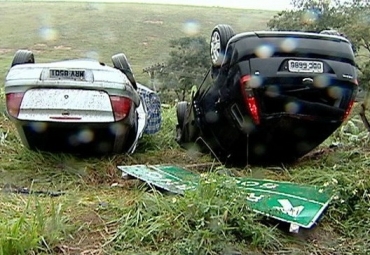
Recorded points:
247,4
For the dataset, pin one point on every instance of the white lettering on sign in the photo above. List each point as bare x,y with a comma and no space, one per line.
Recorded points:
253,198
267,185
155,175
288,208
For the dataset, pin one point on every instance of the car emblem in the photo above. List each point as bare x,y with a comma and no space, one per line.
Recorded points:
66,96
347,76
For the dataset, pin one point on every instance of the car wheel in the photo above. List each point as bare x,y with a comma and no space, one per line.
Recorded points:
181,109
221,35
120,62
23,57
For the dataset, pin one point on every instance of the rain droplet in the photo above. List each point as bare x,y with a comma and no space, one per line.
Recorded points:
211,117
117,129
255,81
310,16
292,107
92,55
260,149
289,45
95,6
73,140
38,127
272,91
264,51
85,136
104,147
321,81
191,27
335,92
48,34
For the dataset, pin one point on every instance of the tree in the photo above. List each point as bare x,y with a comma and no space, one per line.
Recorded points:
310,15
187,64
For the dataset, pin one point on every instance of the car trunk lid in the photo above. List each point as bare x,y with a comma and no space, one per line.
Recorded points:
66,105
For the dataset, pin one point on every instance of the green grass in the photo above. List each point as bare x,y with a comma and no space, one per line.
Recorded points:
101,213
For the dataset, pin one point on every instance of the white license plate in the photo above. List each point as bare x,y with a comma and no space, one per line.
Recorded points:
67,74
301,66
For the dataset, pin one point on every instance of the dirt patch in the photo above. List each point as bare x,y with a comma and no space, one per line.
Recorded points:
322,239
40,45
156,22
87,241
62,47
3,50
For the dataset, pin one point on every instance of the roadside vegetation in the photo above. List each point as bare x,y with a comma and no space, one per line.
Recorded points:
98,212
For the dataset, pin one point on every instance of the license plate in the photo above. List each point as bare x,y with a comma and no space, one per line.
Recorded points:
301,66
67,74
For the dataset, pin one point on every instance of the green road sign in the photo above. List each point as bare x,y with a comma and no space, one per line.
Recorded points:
300,205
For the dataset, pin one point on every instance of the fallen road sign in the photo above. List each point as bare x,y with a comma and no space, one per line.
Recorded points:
297,204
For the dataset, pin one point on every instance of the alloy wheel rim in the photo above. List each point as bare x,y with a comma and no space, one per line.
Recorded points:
215,47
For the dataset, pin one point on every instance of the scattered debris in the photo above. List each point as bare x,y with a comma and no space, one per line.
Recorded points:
10,188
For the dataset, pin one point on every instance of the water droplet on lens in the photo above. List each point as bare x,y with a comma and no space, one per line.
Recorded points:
264,51
116,129
48,34
38,127
289,44
191,27
259,149
335,92
255,81
292,107
92,55
321,81
73,140
85,136
272,91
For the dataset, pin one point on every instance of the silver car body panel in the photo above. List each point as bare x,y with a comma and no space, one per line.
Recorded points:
20,78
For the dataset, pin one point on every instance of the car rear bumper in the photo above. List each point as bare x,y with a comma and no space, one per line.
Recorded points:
79,138
275,140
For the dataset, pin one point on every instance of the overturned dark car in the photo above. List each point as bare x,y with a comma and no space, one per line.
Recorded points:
269,97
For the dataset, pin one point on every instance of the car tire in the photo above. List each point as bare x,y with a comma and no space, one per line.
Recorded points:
120,62
23,57
220,36
181,109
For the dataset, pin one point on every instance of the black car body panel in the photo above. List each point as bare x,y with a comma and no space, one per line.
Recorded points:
254,109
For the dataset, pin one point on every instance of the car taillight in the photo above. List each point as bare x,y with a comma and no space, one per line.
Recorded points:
121,107
13,103
348,110
249,98
350,105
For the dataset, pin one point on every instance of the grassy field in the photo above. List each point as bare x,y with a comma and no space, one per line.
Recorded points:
101,213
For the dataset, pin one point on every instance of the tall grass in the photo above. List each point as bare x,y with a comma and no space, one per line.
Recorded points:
29,224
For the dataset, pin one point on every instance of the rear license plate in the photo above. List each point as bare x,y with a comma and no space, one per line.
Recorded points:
301,66
67,74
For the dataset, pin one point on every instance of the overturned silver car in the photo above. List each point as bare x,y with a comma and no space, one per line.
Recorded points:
80,105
